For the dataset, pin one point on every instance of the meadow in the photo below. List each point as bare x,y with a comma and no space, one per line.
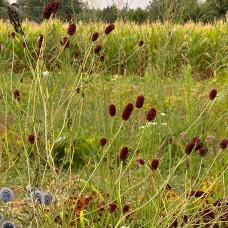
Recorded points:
119,125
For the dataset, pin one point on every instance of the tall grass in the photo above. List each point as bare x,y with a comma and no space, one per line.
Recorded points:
66,109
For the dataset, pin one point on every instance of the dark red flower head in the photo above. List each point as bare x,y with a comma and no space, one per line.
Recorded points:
109,28
31,139
102,58
154,164
112,110
202,152
95,36
49,9
40,40
123,153
103,141
213,94
141,161
16,94
151,114
174,224
189,148
112,207
13,34
76,54
71,29
168,187
141,42
125,209
97,49
127,111
65,42
223,144
139,101
69,16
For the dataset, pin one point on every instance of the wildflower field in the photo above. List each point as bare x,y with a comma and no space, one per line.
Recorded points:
112,125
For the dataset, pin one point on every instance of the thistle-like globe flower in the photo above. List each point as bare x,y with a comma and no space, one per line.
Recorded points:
36,196
139,101
151,114
109,28
6,195
71,29
8,224
1,217
127,111
123,153
48,198
213,94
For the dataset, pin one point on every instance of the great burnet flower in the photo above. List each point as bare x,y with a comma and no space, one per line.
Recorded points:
127,111
6,195
139,101
69,16
123,153
103,141
65,42
71,29
95,36
49,9
112,110
31,138
151,114
126,208
109,28
40,41
141,161
202,152
48,198
154,164
141,42
13,34
75,54
16,95
213,94
102,58
112,207
223,144
97,49
8,224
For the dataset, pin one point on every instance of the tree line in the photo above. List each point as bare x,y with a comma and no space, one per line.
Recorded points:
177,11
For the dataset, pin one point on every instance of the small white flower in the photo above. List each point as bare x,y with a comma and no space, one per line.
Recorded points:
164,124
163,114
61,138
45,74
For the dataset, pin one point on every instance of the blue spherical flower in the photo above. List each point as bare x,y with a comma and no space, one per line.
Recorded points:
8,224
1,217
48,198
6,195
36,196
30,190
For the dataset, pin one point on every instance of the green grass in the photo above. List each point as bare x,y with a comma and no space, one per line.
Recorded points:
67,159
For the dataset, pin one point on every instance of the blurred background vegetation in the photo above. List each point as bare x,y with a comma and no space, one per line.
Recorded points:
176,11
